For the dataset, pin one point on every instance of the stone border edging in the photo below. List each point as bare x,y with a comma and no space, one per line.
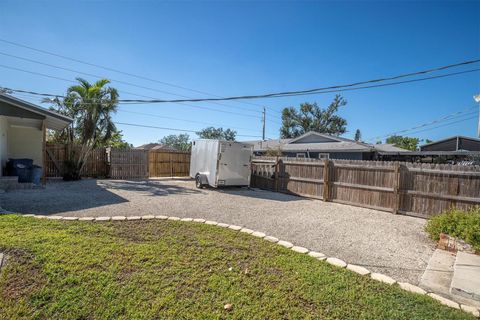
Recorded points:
316,255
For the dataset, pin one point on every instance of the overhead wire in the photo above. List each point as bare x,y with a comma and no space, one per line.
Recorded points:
115,70
138,101
120,101
313,93
162,117
427,124
172,129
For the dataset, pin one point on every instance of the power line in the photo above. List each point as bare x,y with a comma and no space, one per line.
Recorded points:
184,120
71,81
114,70
163,117
390,84
447,124
442,119
111,79
279,94
311,93
172,129
136,101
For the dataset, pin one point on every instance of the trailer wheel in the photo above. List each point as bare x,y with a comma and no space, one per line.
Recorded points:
198,182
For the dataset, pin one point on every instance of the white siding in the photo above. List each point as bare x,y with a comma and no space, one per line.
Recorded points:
25,142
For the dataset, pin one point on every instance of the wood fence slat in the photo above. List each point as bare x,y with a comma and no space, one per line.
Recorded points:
95,165
168,163
361,186
416,189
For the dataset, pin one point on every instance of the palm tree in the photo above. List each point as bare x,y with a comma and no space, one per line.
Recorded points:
91,106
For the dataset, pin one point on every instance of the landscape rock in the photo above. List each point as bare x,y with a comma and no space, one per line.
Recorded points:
471,310
258,234
161,217
299,249
358,269
246,230
186,219
199,220
411,288
70,218
55,217
148,217
213,223
86,219
337,262
174,218
223,225
285,244
102,219
271,239
317,255
119,218
444,301
382,278
236,228
134,218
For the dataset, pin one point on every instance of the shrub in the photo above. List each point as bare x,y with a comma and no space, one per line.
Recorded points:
464,225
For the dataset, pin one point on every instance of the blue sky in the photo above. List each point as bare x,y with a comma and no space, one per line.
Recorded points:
237,48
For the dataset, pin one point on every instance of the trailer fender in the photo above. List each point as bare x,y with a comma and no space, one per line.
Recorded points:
201,180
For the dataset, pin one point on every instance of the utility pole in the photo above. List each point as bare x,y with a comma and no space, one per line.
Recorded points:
263,120
477,99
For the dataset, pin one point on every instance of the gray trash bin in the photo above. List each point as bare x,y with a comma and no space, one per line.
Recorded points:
37,173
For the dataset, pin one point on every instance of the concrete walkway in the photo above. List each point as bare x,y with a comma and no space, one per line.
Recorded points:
391,244
454,276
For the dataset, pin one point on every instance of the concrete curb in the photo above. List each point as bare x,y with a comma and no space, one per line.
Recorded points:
301,250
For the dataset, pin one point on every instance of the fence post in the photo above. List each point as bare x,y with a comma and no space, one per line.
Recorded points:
171,164
326,180
149,159
276,174
396,188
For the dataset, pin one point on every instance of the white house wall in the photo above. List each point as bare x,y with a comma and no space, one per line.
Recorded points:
3,143
25,142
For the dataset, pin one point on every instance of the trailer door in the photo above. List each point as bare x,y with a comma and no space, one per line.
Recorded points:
234,164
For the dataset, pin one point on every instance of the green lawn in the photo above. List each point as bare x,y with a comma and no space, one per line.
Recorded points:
175,270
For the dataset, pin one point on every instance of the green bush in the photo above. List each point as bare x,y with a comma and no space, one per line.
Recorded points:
464,225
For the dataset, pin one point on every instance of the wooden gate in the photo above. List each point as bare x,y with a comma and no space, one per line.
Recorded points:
128,164
168,163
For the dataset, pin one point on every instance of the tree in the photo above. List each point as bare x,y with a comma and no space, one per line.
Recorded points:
310,117
217,133
358,135
91,106
404,142
180,142
116,141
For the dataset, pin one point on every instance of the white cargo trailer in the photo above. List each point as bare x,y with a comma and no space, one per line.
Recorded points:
220,163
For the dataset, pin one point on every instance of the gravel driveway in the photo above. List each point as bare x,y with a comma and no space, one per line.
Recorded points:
392,244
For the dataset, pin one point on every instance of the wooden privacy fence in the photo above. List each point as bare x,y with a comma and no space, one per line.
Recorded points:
406,188
168,164
128,163
120,163
56,154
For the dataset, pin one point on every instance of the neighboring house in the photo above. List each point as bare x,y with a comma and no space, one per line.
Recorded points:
319,145
155,146
456,143
23,128
453,150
